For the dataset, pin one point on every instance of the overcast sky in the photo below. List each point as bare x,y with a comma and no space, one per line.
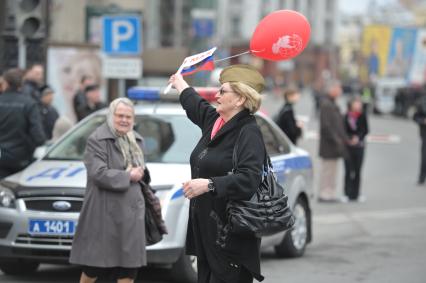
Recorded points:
359,6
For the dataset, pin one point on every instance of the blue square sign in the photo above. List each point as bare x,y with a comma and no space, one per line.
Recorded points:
121,35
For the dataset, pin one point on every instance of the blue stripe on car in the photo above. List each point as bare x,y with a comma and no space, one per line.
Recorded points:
280,165
57,172
295,163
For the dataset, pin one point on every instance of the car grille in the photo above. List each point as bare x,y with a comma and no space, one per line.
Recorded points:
64,241
46,204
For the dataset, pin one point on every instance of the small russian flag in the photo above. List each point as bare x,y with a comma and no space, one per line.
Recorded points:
206,64
199,62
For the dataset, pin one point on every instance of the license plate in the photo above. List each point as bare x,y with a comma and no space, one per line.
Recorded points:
52,227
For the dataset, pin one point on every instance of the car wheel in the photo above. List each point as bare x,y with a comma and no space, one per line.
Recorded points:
18,267
295,240
185,269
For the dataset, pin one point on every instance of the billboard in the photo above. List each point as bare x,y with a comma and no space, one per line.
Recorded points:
401,52
66,66
375,49
417,73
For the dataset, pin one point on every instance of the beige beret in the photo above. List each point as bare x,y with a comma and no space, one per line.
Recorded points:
246,74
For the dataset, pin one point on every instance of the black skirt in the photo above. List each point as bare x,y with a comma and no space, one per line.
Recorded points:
110,272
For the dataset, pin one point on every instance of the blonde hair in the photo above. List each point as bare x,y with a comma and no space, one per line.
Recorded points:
252,97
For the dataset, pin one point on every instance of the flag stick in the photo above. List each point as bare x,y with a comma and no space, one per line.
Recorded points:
170,85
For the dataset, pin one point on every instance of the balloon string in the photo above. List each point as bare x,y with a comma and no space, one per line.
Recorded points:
236,55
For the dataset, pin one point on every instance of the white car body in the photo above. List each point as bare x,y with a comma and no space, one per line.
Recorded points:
49,181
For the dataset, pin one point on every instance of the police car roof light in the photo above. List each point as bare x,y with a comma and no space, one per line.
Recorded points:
139,93
144,93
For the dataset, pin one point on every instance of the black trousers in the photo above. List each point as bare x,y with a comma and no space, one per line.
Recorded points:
205,274
422,174
353,164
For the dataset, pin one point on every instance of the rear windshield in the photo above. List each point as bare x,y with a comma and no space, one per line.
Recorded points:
167,138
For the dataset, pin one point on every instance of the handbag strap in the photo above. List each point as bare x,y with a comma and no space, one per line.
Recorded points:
267,163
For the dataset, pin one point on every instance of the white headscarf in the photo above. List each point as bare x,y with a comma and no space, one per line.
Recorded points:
132,153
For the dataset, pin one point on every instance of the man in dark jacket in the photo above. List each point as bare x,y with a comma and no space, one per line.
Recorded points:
21,130
332,142
79,100
33,80
420,118
93,102
49,114
286,120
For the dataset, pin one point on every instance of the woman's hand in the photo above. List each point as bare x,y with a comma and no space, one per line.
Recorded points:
136,174
195,187
178,82
354,140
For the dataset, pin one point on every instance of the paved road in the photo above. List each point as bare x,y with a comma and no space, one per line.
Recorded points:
380,241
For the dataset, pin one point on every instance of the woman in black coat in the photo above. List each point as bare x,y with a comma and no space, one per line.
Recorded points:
356,127
230,258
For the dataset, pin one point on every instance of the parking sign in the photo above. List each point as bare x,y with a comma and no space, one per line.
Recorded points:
121,35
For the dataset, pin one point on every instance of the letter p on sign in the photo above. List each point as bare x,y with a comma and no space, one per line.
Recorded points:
121,35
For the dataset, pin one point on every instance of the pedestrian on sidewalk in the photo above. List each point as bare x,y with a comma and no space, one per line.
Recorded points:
224,257
32,82
356,126
286,119
332,144
420,118
93,102
110,237
79,99
49,114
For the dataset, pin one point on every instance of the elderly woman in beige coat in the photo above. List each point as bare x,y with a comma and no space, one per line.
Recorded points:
110,237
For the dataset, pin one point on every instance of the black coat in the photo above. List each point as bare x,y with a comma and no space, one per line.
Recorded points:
21,130
213,159
333,137
49,115
287,123
360,130
85,110
420,116
31,89
79,102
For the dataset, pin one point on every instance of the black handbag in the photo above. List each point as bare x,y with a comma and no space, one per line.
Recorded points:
267,212
155,227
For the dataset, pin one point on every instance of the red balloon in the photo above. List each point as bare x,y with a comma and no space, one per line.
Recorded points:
281,35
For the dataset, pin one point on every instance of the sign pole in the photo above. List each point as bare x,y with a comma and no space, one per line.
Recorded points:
121,88
22,52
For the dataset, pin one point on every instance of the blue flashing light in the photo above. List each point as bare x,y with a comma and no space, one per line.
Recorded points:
144,93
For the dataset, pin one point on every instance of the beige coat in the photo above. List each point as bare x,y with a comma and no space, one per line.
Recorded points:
111,227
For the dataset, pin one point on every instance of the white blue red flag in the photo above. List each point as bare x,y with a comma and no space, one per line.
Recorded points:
198,62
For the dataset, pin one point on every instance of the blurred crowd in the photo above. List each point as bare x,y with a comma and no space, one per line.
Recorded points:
29,118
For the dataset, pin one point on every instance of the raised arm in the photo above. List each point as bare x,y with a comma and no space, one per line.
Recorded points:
198,110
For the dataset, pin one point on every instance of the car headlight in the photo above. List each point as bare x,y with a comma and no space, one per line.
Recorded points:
7,197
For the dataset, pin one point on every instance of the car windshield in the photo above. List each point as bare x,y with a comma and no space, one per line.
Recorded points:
167,138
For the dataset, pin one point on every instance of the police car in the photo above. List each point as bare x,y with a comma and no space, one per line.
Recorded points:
39,206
